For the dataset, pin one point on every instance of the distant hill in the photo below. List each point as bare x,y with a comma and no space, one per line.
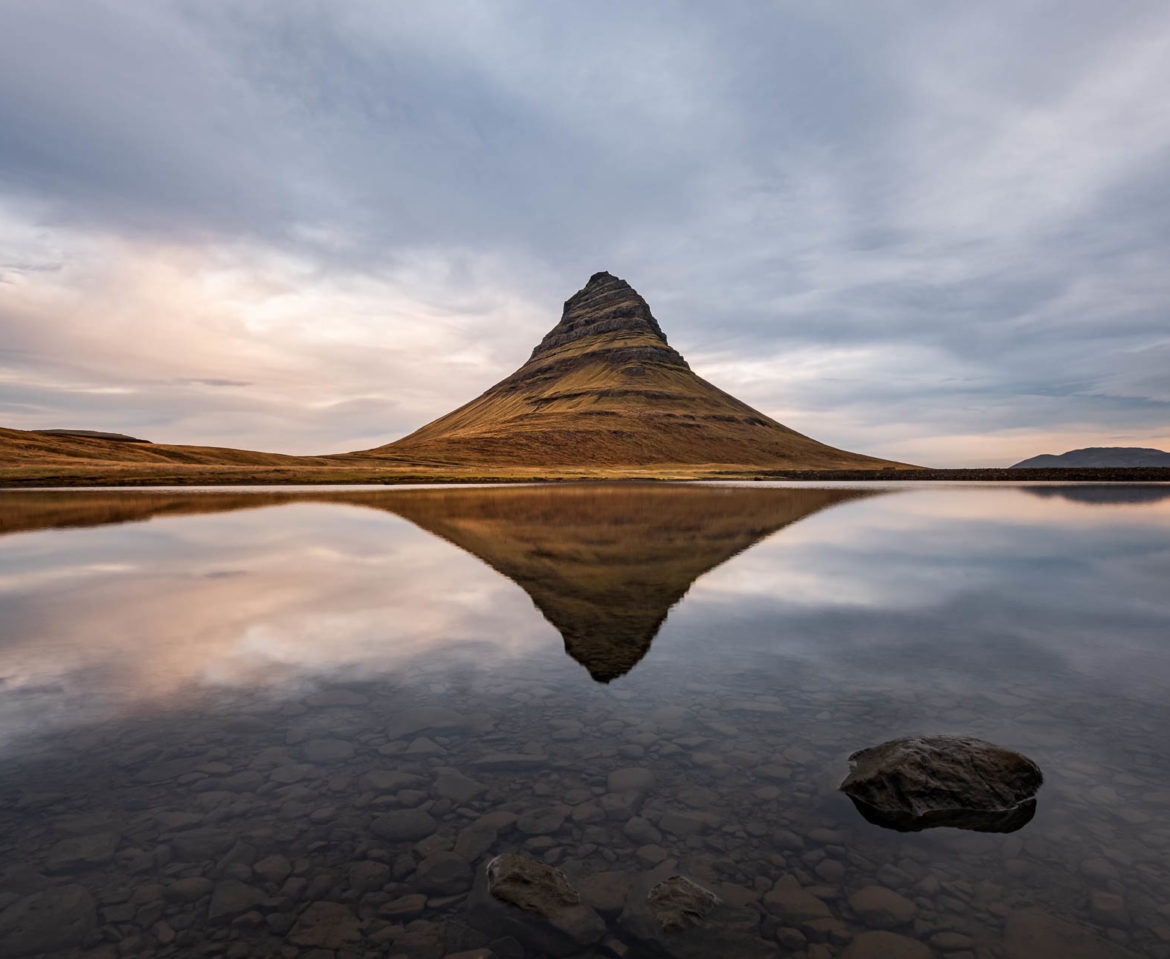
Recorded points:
94,434
82,447
1123,457
605,389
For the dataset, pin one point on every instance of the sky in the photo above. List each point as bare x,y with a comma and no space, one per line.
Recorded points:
935,232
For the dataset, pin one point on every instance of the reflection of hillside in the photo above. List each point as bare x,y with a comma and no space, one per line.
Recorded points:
1102,495
603,563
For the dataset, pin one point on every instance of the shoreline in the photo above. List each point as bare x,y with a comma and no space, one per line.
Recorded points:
90,478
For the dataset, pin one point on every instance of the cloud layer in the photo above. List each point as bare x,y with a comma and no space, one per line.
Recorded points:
937,235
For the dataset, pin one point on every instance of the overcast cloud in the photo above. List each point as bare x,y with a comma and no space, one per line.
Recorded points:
935,232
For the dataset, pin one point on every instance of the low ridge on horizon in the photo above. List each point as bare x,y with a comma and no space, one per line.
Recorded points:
1099,457
604,388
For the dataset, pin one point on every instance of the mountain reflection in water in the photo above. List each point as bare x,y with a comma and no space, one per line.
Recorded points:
603,564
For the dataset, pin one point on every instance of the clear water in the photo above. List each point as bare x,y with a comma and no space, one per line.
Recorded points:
220,710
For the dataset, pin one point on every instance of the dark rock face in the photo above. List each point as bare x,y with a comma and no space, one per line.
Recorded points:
606,304
925,781
534,903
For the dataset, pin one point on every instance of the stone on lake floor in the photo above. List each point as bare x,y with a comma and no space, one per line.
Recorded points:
326,925
921,782
403,825
275,868
422,718
443,874
452,784
231,897
792,904
605,891
886,945
1033,934
79,852
632,779
678,903
534,902
190,889
60,917
677,918
881,908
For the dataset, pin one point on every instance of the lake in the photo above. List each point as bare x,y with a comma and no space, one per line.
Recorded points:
298,722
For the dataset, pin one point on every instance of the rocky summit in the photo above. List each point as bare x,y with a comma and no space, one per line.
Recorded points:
604,388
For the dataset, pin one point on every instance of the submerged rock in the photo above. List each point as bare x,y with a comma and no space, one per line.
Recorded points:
925,781
59,917
1033,934
535,903
677,903
679,919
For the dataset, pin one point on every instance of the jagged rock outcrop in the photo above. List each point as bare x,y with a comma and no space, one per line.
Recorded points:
603,389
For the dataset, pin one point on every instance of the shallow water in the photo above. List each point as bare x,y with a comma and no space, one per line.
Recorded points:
220,710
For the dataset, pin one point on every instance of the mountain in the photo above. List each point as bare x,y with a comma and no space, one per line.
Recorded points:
1098,457
604,564
603,395
604,388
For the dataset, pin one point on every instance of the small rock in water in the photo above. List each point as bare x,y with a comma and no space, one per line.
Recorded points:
677,903
885,945
789,902
680,919
326,925
231,897
881,908
407,824
925,781
1032,934
535,903
443,873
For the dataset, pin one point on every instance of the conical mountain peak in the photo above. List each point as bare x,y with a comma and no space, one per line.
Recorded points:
606,305
604,389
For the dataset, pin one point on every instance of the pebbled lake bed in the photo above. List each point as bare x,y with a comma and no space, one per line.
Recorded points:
278,722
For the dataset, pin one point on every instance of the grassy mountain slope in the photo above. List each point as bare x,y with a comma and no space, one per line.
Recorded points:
604,388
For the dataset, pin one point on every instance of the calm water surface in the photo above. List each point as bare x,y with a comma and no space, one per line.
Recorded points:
271,722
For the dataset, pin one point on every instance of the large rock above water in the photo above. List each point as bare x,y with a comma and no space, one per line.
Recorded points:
924,781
